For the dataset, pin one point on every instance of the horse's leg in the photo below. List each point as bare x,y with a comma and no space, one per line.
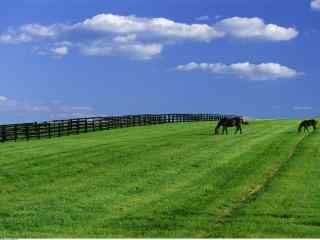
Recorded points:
238,128
216,130
224,131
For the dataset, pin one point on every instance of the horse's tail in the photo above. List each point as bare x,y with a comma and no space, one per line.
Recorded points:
300,126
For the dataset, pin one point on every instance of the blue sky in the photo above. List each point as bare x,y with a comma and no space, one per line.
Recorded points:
62,59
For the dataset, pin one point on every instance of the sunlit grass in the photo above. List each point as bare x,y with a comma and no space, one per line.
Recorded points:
174,180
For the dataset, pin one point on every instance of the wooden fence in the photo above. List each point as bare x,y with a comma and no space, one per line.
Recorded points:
57,128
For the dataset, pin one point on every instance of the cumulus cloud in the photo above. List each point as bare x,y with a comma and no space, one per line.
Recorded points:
315,4
263,71
30,32
240,27
60,51
137,37
161,27
133,49
125,38
40,30
12,38
57,50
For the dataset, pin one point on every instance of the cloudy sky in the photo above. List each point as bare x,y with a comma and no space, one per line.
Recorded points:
62,59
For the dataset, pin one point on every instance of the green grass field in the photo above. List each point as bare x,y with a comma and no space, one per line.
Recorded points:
174,180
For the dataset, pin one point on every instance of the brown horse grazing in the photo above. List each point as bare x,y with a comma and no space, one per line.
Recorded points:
306,123
229,122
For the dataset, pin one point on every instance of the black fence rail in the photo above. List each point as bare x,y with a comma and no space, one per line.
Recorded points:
58,128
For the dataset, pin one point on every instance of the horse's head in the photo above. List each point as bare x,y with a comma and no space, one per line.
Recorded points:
314,123
244,121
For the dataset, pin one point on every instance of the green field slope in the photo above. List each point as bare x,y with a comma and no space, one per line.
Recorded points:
174,180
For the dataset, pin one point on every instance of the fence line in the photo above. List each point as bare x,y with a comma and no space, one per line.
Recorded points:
58,128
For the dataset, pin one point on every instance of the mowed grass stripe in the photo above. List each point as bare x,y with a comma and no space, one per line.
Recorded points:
168,180
63,165
62,157
290,206
182,188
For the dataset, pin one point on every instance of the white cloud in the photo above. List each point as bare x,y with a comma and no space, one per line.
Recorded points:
263,71
315,4
60,51
40,30
10,38
239,27
137,37
255,28
203,18
141,51
161,27
125,38
29,32
134,50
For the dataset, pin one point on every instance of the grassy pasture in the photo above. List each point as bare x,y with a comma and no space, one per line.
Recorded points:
173,180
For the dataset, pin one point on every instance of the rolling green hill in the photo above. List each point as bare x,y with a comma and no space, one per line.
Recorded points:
175,180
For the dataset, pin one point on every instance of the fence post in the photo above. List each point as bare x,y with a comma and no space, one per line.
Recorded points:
15,132
93,125
121,121
27,131
59,129
3,133
111,123
78,126
49,129
100,124
86,125
69,126
38,131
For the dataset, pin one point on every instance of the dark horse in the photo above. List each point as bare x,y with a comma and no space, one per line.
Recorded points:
306,123
230,122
